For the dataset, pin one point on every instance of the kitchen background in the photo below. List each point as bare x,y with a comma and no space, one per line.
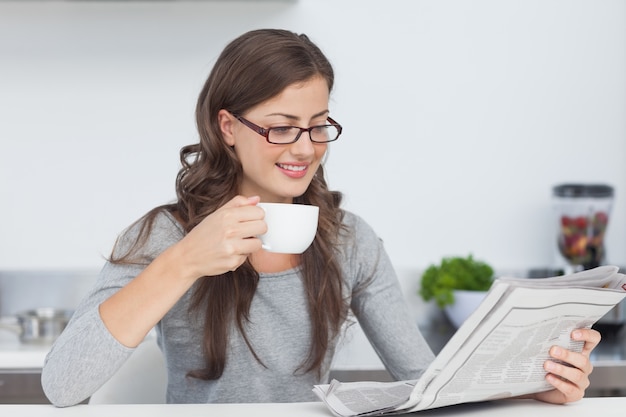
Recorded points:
459,117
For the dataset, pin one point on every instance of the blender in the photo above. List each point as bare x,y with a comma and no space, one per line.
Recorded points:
582,216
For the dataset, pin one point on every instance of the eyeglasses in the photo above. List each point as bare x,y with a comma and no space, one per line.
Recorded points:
284,135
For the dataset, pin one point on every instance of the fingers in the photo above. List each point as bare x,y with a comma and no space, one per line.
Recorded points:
571,366
237,223
569,374
240,200
571,360
241,218
564,392
569,383
589,336
225,238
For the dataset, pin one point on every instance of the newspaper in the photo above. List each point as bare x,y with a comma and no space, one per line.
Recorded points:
499,351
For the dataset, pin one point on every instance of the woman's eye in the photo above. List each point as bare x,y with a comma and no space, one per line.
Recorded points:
282,130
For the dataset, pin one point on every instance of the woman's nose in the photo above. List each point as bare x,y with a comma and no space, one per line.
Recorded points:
303,146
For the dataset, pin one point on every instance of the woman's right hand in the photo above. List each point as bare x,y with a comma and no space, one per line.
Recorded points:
225,238
220,243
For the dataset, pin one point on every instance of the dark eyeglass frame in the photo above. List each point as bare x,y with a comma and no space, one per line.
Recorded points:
266,132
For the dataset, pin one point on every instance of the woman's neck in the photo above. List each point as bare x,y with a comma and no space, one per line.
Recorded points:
269,262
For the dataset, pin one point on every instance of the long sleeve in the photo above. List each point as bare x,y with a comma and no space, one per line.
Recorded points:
381,309
86,355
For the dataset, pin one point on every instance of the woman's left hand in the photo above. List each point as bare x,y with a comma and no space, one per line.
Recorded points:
570,382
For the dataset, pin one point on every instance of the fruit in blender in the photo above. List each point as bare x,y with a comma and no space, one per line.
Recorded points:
581,238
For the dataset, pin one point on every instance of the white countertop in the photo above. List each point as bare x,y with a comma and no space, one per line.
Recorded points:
355,354
607,407
16,355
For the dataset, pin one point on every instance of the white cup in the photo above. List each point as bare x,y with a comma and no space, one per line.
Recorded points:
290,227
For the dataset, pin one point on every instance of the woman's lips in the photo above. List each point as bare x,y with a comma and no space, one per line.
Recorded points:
293,170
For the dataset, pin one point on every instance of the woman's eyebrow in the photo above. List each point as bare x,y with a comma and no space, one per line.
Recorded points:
296,118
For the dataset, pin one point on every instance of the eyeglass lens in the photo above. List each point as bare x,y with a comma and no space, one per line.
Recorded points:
289,134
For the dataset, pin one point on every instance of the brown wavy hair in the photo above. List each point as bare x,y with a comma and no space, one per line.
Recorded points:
253,68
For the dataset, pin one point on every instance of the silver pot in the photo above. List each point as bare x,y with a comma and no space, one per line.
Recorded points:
38,326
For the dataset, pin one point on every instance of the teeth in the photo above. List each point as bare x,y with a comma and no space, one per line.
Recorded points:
293,167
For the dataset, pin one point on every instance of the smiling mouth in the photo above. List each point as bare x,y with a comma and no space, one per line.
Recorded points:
294,168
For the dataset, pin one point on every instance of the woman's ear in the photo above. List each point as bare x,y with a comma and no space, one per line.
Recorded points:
226,122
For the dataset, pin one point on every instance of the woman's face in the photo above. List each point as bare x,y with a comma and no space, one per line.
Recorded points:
278,173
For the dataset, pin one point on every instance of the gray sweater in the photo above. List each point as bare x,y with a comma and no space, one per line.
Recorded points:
86,355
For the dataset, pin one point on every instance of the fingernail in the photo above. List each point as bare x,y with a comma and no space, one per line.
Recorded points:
556,351
577,334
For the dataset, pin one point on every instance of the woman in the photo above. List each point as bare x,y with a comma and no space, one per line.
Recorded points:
237,323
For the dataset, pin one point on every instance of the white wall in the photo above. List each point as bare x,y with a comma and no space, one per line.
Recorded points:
459,116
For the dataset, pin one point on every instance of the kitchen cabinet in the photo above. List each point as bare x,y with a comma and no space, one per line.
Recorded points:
20,371
21,387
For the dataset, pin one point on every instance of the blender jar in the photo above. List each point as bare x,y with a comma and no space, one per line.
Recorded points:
583,215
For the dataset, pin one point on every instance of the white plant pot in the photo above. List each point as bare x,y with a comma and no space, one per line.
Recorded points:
465,302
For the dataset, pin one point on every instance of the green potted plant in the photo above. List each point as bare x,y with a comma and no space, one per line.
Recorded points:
457,285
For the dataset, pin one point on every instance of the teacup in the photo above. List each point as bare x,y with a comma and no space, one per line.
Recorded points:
290,227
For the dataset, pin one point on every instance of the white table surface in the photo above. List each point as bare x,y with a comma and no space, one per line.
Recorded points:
16,355
605,407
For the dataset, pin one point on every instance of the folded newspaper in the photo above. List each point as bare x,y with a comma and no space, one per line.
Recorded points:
499,351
